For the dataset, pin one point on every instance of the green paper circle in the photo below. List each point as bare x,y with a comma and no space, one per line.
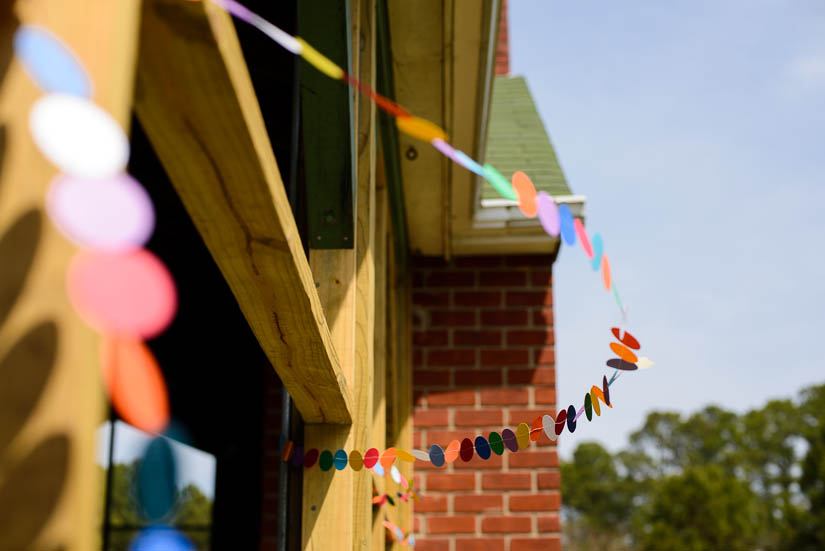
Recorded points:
496,443
325,462
588,406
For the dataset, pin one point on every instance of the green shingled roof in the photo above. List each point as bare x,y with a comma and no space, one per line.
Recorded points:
517,140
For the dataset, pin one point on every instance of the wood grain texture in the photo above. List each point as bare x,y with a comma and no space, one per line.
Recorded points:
52,400
196,102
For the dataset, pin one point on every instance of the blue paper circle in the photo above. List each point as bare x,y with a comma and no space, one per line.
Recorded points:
568,230
482,447
50,63
598,251
571,419
161,538
157,480
436,455
340,460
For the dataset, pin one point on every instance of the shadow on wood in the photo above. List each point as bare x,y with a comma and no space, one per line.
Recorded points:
17,249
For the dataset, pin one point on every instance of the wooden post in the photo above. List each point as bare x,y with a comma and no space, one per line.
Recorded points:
51,399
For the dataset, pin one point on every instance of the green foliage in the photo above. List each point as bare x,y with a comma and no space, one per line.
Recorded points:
713,480
193,509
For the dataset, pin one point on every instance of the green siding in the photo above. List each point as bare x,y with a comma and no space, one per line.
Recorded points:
517,140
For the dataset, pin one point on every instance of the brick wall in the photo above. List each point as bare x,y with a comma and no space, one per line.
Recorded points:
503,46
484,360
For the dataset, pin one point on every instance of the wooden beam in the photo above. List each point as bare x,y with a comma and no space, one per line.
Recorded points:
51,401
327,126
196,102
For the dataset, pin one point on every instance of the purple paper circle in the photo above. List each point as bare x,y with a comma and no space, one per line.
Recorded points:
548,213
114,214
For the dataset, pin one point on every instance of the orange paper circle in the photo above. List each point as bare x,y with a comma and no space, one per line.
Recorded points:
135,384
606,272
387,458
451,453
623,352
526,192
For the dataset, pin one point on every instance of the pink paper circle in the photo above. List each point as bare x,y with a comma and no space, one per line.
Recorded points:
114,214
125,295
548,213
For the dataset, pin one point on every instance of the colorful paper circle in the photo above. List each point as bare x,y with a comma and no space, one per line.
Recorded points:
482,447
355,460
561,418
588,407
395,474
310,458
371,458
298,456
466,452
536,429
436,455
451,453
78,137
548,213
135,383
496,443
404,455
568,230
523,435
509,438
571,419
549,426
50,63
114,214
326,460
623,365
581,233
623,352
526,192
157,480
627,339
387,458
598,251
129,294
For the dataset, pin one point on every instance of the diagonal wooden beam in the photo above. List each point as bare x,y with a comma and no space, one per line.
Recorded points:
196,102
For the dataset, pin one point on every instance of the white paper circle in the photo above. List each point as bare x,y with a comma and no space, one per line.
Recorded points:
379,470
396,474
114,214
549,425
78,137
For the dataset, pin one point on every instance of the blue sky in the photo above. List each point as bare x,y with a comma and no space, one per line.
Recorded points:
697,131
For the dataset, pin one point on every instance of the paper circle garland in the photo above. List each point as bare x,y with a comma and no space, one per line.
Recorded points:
113,214
50,63
78,137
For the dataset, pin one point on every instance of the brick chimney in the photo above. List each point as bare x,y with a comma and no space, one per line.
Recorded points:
503,49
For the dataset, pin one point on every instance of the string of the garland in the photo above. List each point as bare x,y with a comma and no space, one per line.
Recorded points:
555,221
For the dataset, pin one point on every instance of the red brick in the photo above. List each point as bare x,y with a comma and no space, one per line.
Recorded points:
534,459
545,356
536,544
479,261
529,298
430,338
543,261
450,279
418,398
503,525
432,544
476,503
541,502
479,544
423,377
550,523
418,358
504,317
416,525
504,357
529,338
503,279
550,481
451,398
449,318
431,418
545,396
504,396
431,299
451,525
444,437
492,462
505,481
417,439
477,298
450,482
516,416
539,375
478,418
541,278
451,357
484,377
543,317
475,338
432,503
